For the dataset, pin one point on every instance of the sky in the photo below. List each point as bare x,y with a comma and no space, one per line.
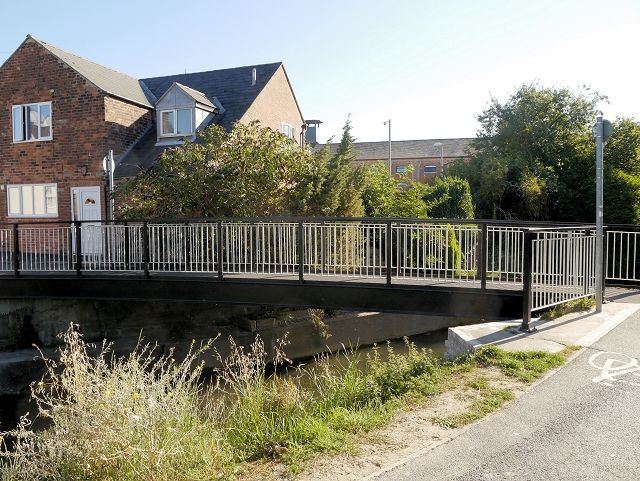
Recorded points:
429,66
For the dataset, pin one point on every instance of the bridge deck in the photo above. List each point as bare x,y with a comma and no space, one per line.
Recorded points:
271,277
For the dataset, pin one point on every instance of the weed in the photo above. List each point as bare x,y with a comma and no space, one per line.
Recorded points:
577,305
490,400
317,316
146,416
525,366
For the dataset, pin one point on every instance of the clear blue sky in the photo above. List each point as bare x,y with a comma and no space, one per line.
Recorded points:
430,66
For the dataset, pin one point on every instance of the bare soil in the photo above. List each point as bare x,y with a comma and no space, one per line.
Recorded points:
408,435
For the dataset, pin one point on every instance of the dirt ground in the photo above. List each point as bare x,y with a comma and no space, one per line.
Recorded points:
408,435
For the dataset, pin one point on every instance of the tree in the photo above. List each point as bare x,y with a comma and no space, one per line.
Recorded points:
249,171
340,193
380,191
449,198
622,205
529,157
385,196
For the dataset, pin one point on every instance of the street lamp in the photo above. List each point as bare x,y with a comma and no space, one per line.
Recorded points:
441,145
389,122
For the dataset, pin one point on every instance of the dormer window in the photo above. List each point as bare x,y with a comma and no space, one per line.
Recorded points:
181,112
176,122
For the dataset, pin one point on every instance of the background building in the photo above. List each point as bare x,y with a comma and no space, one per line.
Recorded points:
427,156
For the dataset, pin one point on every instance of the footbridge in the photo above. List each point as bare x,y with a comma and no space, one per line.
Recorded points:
475,269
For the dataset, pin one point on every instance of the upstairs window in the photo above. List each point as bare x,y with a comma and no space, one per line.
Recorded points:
32,200
176,122
430,169
288,131
31,122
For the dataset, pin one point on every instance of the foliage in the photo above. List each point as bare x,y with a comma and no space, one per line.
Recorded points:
338,181
530,154
490,399
576,305
380,191
525,366
622,150
622,174
249,171
449,198
146,416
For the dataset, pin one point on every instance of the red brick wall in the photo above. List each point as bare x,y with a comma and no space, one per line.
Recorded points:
125,122
86,123
418,166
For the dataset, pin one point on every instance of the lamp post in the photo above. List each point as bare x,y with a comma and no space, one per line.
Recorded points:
441,145
601,132
389,122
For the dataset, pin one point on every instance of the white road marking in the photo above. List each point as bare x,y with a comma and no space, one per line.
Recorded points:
614,365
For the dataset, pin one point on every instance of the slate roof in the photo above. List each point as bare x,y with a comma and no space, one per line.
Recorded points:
408,149
197,96
108,80
232,87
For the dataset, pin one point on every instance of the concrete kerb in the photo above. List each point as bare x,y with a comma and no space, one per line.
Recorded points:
575,329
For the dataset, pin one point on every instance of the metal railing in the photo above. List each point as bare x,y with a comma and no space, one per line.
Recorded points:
416,250
559,267
551,264
622,254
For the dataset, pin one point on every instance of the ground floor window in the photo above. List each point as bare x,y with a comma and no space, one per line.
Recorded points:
32,200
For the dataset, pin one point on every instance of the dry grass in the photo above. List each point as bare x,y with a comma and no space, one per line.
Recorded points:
149,417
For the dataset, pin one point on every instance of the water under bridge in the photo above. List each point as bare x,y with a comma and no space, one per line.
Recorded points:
473,269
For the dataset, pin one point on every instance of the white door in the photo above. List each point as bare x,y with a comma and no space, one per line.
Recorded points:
86,206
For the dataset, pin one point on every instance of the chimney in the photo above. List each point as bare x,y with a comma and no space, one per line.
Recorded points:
311,135
254,76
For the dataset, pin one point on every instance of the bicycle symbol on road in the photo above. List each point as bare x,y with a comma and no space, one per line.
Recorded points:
613,366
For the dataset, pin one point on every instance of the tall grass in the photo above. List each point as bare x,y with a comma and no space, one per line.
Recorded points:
148,417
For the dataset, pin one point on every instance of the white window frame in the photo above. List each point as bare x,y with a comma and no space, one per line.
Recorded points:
175,122
22,107
33,203
403,169
435,169
288,130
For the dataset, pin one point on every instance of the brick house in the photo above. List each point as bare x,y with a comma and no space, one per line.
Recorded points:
427,156
60,115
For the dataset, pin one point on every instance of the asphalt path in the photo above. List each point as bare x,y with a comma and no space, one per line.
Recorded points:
581,423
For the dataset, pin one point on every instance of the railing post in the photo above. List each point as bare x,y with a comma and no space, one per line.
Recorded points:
254,246
187,247
127,249
604,263
389,250
145,248
324,242
482,261
219,249
527,267
301,251
16,251
78,230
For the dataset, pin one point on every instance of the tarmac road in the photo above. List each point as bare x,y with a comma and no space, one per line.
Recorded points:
582,423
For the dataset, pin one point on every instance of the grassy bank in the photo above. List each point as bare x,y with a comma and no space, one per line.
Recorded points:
148,417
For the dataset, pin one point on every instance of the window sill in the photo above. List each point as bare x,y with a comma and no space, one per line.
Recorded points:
43,216
48,139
